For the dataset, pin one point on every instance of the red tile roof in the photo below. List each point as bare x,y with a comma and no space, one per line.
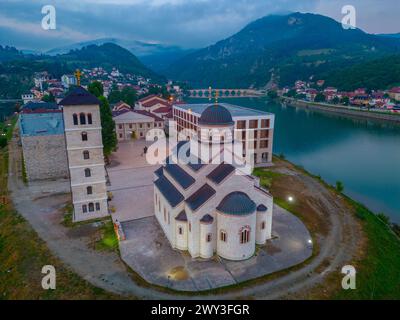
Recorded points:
162,110
149,114
154,102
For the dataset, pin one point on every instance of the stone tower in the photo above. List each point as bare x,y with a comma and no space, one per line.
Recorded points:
84,144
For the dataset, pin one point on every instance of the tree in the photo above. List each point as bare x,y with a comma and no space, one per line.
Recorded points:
96,88
156,90
301,96
127,95
272,94
3,141
108,127
335,100
292,93
48,98
320,97
339,186
345,101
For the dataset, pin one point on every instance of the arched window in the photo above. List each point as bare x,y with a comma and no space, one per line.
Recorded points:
209,237
180,230
87,173
263,225
91,207
75,119
86,155
89,118
223,236
89,190
82,118
245,236
84,136
84,208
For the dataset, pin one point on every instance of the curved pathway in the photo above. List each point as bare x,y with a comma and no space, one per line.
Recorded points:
40,204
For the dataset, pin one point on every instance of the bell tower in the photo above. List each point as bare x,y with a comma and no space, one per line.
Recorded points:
81,111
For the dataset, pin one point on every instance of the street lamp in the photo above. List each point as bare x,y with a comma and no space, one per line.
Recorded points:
290,199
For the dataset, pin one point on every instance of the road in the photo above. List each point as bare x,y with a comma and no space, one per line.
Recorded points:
105,270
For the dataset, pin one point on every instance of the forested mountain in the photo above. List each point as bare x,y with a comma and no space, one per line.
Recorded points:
17,69
294,46
382,73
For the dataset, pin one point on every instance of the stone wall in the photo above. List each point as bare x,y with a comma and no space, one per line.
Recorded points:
45,157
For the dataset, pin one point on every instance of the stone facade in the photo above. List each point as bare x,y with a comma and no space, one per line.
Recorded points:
213,225
86,161
45,157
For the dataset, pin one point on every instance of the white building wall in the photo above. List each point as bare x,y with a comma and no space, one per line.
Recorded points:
207,248
77,164
232,249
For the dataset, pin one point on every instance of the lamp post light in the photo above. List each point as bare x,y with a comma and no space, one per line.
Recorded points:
290,199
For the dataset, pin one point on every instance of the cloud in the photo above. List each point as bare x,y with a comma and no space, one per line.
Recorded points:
188,23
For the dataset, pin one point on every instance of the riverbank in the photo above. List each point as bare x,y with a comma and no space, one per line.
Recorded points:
376,262
343,110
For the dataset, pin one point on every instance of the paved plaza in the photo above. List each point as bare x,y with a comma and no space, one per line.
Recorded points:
131,180
147,251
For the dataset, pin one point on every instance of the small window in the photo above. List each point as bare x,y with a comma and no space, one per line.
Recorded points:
97,206
245,236
82,118
148,125
87,172
223,236
120,135
91,207
89,190
84,136
86,155
84,208
209,237
75,119
89,118
190,227
130,126
263,225
180,230
120,126
165,215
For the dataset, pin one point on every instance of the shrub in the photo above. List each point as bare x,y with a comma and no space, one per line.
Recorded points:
339,186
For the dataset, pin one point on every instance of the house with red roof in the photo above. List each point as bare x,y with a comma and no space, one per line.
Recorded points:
121,106
394,93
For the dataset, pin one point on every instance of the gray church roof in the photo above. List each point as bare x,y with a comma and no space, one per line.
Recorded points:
201,196
173,196
180,175
181,216
216,114
79,97
237,203
262,208
220,173
207,219
159,172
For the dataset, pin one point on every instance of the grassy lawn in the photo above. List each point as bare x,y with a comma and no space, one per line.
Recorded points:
23,254
378,273
108,239
378,270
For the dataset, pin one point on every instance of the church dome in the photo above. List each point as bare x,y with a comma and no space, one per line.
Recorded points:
237,204
216,114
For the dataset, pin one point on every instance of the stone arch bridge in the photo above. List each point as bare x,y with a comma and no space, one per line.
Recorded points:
225,93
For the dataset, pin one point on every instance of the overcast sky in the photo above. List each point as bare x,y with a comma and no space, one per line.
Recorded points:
187,23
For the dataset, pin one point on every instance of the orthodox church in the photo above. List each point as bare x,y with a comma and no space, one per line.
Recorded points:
206,207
